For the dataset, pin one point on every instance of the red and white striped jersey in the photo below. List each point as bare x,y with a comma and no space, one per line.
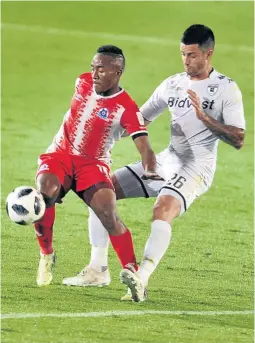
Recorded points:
93,123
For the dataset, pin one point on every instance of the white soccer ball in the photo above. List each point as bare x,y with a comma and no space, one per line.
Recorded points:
25,205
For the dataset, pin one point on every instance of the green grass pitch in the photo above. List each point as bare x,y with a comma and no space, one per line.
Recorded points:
209,266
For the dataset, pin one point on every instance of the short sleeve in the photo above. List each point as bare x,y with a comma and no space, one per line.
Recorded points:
233,112
157,103
82,80
132,121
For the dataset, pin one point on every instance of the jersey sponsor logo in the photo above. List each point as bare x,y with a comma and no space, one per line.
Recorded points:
103,113
186,103
140,118
212,89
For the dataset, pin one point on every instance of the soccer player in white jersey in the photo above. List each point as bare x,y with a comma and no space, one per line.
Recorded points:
205,106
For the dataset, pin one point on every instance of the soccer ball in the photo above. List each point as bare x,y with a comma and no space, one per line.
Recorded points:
25,205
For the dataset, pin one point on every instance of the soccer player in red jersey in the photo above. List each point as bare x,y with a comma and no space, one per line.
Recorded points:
79,157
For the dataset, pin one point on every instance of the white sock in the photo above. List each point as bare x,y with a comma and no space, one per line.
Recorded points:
99,258
155,248
99,240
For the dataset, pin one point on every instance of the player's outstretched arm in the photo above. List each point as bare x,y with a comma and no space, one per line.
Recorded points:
227,133
148,158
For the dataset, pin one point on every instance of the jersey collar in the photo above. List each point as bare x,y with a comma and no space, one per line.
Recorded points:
212,73
107,97
210,76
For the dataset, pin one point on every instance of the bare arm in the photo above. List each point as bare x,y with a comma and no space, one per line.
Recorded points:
227,133
148,157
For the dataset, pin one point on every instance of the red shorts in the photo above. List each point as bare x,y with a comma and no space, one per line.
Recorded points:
82,171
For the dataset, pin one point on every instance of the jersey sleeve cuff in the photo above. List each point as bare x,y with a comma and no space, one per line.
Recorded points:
150,120
139,134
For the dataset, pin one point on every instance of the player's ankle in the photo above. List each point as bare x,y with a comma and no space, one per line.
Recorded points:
98,268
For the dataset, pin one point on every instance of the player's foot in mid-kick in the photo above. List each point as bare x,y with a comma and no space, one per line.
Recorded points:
44,273
89,277
130,278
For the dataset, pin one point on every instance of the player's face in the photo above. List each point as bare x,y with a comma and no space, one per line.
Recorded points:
195,60
105,73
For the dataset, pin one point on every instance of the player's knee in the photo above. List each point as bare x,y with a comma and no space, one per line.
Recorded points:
50,186
166,208
108,219
160,209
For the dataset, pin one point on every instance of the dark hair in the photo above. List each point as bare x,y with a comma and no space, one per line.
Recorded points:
113,51
199,34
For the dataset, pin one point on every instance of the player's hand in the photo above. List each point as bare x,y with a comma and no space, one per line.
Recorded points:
195,101
149,175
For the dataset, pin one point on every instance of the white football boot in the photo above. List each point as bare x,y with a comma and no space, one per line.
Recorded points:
130,278
89,277
44,273
128,295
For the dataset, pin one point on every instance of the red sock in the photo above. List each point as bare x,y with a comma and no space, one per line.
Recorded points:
44,231
124,248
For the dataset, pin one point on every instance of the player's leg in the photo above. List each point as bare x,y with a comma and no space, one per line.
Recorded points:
96,273
98,235
94,187
165,210
177,194
49,185
127,183
103,203
101,199
50,180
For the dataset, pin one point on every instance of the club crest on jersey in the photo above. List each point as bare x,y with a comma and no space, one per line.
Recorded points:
212,89
103,113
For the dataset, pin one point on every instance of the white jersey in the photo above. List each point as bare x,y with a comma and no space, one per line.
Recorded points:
191,140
